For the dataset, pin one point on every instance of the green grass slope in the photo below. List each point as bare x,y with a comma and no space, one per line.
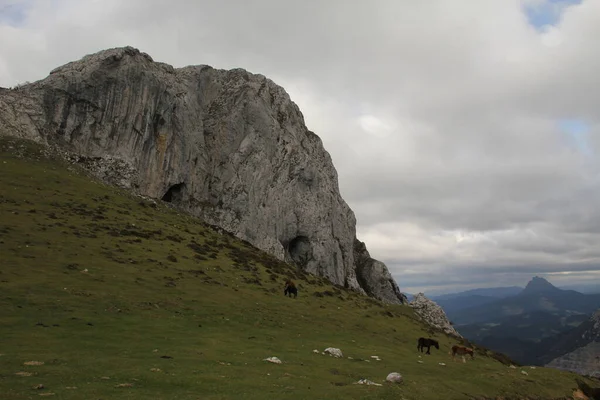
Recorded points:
120,298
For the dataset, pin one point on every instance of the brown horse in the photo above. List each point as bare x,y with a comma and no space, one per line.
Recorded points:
462,351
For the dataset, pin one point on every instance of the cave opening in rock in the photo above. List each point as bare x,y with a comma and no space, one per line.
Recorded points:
300,250
175,193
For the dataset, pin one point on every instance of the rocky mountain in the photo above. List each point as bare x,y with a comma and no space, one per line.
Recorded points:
432,314
538,296
525,326
227,146
577,350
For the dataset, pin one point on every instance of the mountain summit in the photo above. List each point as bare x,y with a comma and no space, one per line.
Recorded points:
539,285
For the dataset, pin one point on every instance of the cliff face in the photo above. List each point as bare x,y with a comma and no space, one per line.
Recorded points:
228,146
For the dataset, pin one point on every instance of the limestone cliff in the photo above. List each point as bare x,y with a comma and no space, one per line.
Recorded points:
228,146
374,277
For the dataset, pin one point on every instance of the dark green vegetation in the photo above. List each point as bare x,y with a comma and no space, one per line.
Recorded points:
124,299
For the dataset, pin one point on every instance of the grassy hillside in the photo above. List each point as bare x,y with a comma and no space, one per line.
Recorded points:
124,299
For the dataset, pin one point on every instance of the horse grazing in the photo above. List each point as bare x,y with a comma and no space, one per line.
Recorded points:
461,351
427,342
290,288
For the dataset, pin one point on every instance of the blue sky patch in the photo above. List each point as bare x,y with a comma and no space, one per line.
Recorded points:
576,132
548,12
14,12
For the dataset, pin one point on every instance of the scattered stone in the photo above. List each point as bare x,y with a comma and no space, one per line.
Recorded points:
367,382
71,387
332,351
106,378
155,351
47,394
273,360
420,362
121,385
394,377
350,358
524,372
316,351
33,363
155,369
513,367
39,387
442,364
532,367
23,373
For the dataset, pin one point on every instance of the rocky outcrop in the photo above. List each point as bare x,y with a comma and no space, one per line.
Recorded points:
432,314
580,348
374,277
227,146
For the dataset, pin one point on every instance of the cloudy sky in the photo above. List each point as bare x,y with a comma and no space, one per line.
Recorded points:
466,134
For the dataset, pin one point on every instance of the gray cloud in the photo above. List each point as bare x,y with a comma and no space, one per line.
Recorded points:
443,119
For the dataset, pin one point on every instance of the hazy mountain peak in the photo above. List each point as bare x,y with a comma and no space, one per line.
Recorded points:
538,285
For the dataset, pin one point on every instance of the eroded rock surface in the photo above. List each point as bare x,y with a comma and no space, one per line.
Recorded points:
432,314
228,146
374,277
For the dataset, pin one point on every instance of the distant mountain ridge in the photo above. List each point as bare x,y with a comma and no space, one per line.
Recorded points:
538,295
497,292
455,302
527,325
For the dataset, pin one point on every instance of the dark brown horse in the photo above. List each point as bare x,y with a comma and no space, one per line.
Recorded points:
462,351
290,288
427,342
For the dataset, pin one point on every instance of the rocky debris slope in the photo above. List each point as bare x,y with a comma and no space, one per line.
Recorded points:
227,146
583,349
432,314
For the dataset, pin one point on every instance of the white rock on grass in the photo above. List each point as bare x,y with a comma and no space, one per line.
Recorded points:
394,377
332,351
367,382
273,360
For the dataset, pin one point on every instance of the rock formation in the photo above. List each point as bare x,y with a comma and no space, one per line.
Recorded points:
227,146
580,348
432,314
374,277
